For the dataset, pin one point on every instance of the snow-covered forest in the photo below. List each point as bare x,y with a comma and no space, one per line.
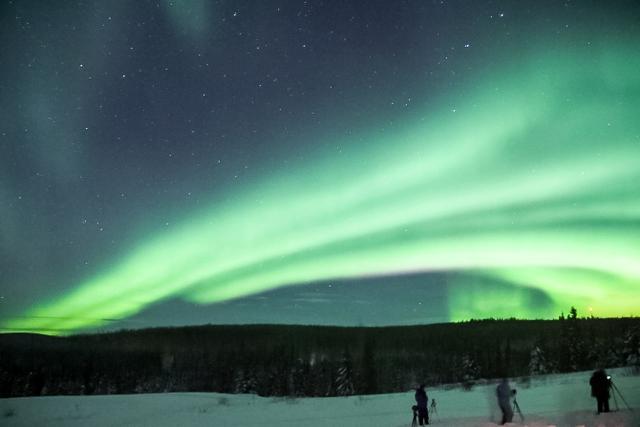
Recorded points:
305,361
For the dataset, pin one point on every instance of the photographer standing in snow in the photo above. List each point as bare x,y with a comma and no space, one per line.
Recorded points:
504,393
600,383
422,400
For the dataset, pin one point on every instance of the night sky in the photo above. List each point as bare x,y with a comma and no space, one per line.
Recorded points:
316,162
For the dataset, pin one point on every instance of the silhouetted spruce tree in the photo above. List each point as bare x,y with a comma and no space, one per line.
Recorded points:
369,379
470,371
313,381
88,385
323,372
299,377
507,358
538,362
344,379
245,382
631,347
574,344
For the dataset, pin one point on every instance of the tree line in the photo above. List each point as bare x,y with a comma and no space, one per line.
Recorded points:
280,360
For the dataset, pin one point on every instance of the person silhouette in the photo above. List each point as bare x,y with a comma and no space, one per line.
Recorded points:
504,393
600,384
421,401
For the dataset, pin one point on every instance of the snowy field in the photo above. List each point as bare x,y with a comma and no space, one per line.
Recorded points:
560,400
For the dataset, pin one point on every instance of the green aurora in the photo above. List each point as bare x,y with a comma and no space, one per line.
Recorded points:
530,179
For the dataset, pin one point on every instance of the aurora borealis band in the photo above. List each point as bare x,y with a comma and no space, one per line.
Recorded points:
521,181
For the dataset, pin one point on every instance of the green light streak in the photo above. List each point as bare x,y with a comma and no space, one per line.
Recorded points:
535,184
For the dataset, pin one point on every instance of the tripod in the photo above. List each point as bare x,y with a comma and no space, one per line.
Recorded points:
516,408
615,400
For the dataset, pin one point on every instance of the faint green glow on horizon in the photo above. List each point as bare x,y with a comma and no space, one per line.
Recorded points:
533,181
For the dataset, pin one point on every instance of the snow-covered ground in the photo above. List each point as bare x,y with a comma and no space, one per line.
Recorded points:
559,400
